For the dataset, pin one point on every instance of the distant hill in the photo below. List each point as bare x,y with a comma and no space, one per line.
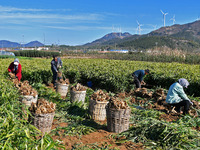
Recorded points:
9,44
184,37
108,37
190,31
34,44
152,42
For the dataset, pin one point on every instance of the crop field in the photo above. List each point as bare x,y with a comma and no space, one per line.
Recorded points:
150,127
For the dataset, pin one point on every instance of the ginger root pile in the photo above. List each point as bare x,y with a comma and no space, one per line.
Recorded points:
100,96
66,81
42,107
117,104
78,87
25,88
159,94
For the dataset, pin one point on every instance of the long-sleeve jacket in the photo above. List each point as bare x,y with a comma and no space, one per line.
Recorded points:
17,71
176,94
55,64
139,74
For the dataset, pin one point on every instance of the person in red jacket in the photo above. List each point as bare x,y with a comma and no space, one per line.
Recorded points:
16,68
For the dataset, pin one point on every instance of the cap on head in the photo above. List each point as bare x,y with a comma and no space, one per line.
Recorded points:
16,61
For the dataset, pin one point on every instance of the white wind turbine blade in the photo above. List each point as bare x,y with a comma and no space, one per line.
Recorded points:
162,12
137,22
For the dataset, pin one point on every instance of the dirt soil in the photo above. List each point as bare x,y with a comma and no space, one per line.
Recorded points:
101,137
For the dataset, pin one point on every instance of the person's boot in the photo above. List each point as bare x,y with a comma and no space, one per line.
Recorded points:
178,110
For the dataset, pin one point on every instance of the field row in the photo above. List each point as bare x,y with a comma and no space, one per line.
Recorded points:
112,75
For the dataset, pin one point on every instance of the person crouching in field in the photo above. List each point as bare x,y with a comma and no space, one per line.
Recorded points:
177,97
138,76
56,64
15,69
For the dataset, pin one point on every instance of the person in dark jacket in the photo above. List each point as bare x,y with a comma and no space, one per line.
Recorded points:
138,76
15,69
176,96
56,64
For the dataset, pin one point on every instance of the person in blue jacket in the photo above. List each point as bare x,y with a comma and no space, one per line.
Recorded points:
56,64
138,76
177,97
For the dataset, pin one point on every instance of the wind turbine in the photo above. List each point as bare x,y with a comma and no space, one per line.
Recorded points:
139,27
164,14
44,38
154,27
120,31
198,18
173,19
112,28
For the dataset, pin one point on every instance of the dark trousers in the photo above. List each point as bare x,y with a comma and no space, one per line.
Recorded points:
185,104
54,77
137,82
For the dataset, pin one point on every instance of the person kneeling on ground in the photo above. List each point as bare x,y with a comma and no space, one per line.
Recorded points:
15,69
138,77
176,96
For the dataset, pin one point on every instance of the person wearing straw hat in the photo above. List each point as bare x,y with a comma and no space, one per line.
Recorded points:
176,96
15,69
138,76
56,65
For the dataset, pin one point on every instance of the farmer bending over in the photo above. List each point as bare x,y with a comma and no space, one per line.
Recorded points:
56,64
15,69
177,97
138,77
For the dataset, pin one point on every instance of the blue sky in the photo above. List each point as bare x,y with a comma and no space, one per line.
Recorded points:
76,22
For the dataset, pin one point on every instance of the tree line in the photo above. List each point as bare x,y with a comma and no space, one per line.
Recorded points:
35,53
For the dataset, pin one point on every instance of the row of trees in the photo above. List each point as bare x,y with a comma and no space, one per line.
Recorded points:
35,53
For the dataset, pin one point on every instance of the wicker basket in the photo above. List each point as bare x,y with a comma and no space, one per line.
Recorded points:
43,121
62,89
117,120
27,100
97,110
77,96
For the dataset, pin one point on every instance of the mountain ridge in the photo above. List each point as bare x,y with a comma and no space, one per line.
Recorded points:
184,37
109,36
9,44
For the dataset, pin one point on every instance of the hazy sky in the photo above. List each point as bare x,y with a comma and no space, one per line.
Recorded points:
76,22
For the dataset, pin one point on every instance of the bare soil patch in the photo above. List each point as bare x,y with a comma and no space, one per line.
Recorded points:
101,137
